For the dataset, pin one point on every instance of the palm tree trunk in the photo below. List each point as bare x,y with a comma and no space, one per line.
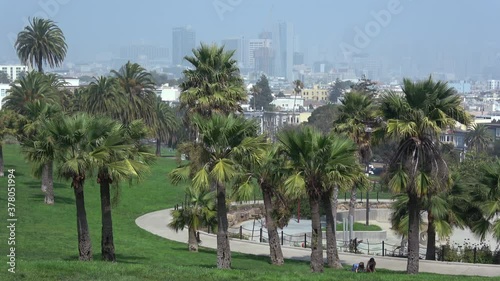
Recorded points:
413,235
223,249
1,160
158,147
352,204
107,243
84,243
274,240
430,254
332,255
316,236
48,182
192,241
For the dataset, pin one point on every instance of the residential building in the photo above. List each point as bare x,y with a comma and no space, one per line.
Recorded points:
13,71
272,121
289,103
315,94
183,42
493,84
168,93
3,92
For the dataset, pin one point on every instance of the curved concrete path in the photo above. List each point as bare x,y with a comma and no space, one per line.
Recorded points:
156,223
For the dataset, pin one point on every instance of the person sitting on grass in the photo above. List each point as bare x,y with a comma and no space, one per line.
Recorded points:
370,266
358,267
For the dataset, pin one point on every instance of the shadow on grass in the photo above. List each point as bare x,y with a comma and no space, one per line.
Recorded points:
37,184
57,199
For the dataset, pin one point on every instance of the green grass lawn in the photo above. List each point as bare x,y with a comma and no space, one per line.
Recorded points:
46,238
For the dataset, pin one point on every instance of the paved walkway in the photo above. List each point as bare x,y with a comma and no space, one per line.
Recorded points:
156,223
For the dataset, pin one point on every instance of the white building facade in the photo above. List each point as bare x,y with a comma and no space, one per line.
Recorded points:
13,71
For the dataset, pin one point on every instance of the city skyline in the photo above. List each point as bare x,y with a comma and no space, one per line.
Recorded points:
390,32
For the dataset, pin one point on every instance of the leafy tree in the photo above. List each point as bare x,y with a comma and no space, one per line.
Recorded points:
297,89
41,41
198,212
415,120
4,78
479,138
489,198
214,85
223,139
338,89
263,97
318,162
365,86
323,117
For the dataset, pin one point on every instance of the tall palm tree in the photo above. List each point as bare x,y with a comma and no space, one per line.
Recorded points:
128,159
317,160
101,97
269,175
356,119
137,88
479,138
198,212
297,88
84,144
223,139
41,42
214,85
38,146
166,124
416,119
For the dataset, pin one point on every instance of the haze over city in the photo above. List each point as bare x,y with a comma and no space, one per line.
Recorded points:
417,39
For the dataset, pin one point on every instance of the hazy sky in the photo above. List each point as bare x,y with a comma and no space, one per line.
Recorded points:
423,29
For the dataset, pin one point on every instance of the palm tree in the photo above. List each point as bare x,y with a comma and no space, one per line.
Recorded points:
9,122
128,159
214,85
41,41
269,175
166,124
38,146
488,196
356,119
479,138
136,86
33,87
317,161
101,98
222,140
416,119
297,88
85,144
199,211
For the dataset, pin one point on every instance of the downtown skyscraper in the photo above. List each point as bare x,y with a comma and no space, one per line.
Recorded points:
183,42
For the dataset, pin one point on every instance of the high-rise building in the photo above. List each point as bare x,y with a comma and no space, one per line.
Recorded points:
183,42
240,48
255,44
284,42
